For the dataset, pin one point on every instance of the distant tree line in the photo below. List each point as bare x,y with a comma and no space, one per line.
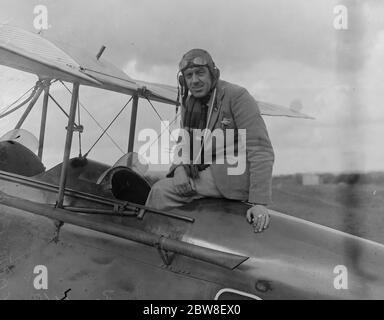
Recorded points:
335,178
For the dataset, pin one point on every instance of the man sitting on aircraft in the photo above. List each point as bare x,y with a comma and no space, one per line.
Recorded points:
215,104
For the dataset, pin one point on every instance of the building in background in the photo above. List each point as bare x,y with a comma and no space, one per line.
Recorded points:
310,179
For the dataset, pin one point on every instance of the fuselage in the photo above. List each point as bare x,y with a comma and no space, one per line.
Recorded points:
292,259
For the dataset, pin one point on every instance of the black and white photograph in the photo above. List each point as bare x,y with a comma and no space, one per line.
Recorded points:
190,152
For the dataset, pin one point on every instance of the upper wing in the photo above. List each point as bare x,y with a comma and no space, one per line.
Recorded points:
112,78
159,89
32,53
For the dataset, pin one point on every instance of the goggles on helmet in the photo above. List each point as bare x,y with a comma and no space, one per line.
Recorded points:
195,62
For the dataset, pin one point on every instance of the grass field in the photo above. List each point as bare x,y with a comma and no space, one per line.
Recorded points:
357,209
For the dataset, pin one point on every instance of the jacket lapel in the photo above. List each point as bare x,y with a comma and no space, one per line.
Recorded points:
216,109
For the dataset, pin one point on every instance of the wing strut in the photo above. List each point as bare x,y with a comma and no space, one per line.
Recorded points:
132,127
68,143
36,96
43,123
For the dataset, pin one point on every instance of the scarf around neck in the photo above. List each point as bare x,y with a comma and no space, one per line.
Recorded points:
195,117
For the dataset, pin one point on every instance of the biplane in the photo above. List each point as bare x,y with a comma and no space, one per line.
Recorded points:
81,219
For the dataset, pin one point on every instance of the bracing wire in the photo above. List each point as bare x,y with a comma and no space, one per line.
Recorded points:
161,119
5,109
105,130
6,113
94,119
165,129
34,89
60,107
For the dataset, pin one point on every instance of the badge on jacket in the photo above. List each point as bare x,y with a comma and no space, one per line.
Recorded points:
226,122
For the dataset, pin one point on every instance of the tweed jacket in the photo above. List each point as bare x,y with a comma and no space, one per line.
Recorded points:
237,109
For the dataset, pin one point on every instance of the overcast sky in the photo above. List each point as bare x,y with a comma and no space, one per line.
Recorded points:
279,50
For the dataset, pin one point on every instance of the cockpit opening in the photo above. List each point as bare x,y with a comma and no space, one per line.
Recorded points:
125,184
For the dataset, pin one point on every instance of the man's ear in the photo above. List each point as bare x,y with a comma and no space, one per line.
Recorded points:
217,74
183,85
181,80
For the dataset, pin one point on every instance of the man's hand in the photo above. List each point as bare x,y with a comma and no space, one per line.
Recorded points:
259,217
182,182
